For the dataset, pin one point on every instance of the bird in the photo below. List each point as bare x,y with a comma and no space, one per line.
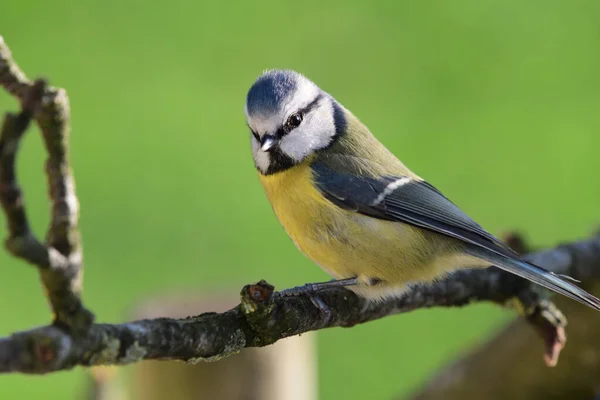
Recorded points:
354,209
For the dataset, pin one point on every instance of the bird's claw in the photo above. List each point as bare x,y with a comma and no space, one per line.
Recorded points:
311,290
323,308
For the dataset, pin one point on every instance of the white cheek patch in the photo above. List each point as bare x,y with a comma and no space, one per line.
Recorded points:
314,133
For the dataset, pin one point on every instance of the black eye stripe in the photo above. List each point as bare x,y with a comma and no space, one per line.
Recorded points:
312,104
285,129
254,134
281,132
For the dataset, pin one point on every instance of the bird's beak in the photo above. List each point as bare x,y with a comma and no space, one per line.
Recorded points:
268,142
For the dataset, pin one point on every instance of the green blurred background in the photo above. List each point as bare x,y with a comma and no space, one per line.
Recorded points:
495,102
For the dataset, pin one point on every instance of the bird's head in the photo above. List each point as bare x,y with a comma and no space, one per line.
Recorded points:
290,118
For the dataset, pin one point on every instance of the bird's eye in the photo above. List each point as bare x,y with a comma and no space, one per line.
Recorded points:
294,120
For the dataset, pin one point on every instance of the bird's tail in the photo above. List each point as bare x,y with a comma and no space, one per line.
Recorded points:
540,276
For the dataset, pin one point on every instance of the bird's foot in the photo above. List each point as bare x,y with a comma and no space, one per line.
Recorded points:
324,309
314,288
312,291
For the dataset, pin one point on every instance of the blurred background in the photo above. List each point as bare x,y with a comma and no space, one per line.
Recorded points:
494,102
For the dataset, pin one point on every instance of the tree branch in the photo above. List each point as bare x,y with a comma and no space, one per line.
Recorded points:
59,259
261,318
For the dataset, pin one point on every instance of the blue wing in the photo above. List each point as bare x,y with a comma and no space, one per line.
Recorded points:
415,202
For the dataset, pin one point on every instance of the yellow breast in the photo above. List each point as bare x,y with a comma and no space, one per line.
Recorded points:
344,243
296,202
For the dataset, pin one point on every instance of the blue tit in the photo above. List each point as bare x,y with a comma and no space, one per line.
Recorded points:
356,210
